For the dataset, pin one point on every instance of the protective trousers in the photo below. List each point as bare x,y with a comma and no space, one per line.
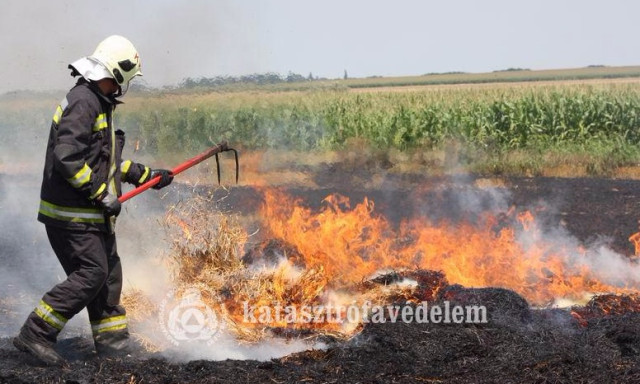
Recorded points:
94,281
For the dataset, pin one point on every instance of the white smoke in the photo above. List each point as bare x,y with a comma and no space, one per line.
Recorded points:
545,232
601,262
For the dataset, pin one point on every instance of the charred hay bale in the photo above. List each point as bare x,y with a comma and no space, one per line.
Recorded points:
502,305
610,305
605,306
427,283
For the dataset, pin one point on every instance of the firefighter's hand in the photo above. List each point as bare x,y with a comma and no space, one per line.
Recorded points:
166,177
110,204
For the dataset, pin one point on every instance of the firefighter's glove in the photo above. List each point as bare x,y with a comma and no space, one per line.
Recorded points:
166,177
110,204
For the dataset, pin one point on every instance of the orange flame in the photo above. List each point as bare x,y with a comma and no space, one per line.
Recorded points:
185,228
635,240
351,244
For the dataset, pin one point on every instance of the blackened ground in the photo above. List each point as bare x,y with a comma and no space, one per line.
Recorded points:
517,345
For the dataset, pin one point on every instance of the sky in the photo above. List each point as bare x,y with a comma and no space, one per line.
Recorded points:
198,38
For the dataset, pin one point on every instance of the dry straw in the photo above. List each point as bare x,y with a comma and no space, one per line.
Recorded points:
207,248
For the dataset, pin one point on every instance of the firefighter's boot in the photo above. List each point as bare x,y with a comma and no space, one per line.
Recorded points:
113,344
42,352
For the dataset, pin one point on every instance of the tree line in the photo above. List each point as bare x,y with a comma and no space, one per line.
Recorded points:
255,79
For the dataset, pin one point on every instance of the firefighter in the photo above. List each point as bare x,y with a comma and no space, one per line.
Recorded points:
81,183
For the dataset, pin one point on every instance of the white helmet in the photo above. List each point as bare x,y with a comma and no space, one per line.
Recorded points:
120,58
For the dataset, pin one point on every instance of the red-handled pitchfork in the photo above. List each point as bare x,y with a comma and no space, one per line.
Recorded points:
213,151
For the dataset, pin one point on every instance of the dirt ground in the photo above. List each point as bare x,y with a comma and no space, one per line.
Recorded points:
519,344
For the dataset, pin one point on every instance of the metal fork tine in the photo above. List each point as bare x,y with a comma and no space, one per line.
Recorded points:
218,168
237,165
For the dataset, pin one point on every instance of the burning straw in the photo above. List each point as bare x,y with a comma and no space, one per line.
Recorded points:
204,251
205,244
207,254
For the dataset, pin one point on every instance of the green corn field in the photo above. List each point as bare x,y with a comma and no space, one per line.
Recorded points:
489,122
498,117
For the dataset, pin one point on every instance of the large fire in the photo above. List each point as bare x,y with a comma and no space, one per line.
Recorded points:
351,244
348,255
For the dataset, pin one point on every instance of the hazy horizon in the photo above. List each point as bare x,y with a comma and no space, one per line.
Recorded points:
199,38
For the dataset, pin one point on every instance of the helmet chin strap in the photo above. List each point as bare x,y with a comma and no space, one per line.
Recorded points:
119,92
122,92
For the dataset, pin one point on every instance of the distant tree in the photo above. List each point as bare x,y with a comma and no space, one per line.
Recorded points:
294,77
346,76
310,77
444,73
512,70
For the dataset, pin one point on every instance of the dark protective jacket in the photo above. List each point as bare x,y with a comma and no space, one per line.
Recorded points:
83,160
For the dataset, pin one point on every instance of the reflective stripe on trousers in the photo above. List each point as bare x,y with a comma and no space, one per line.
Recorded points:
109,324
53,318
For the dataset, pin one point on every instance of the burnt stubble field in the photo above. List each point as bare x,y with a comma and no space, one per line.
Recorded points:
520,343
